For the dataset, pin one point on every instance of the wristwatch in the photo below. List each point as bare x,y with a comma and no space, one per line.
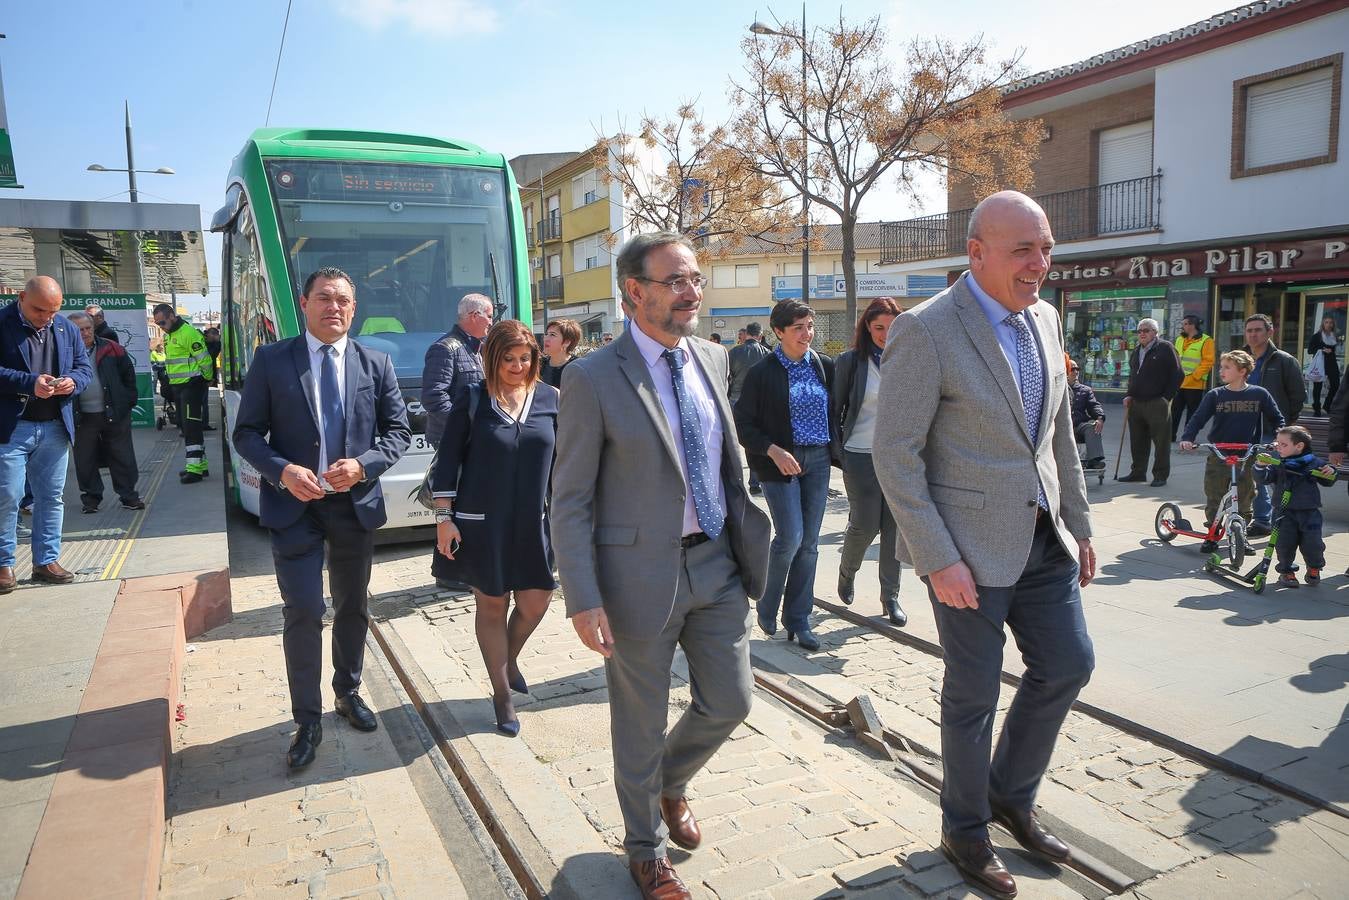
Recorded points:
444,515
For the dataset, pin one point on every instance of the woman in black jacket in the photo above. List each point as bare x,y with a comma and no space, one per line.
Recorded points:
853,402
783,420
1327,343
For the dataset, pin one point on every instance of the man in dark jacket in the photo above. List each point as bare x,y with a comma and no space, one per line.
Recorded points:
1154,378
101,327
452,362
1088,418
1279,373
743,357
103,426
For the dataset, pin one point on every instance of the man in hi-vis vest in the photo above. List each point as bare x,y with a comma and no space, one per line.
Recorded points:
1196,361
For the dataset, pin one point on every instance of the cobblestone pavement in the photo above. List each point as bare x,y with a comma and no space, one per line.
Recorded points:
790,811
352,825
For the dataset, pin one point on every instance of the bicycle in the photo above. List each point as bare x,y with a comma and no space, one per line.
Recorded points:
1227,527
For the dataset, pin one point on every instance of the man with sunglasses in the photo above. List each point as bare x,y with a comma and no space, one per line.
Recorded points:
658,544
1154,378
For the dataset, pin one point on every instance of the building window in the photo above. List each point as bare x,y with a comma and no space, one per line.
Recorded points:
586,189
587,253
741,275
1288,118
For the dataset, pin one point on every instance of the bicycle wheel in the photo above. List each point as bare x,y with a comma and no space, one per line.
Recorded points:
1236,543
1167,514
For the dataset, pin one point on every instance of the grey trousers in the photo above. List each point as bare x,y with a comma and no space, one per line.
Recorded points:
868,515
1086,434
711,622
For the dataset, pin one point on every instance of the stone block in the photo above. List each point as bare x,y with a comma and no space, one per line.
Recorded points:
741,880
821,826
814,857
867,873
883,839
821,887
1228,805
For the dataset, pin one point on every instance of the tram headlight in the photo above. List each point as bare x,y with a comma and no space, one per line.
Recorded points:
396,206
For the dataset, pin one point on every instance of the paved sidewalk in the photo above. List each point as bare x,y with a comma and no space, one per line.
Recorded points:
1262,680
789,811
373,816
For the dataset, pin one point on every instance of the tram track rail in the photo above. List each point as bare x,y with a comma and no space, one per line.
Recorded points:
1124,724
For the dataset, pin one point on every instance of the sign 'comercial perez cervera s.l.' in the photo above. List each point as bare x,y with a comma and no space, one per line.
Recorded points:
1255,259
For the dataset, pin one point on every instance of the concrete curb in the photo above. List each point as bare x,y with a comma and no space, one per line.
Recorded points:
107,802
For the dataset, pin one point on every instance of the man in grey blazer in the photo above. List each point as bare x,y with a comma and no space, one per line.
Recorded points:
982,474
658,544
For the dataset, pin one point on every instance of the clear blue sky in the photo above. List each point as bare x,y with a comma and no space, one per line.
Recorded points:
517,77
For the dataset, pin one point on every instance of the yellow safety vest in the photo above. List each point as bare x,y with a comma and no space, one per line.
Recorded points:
1194,353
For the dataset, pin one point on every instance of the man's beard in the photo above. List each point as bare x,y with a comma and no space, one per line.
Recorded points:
684,329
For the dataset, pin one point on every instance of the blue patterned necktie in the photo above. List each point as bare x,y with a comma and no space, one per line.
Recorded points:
1032,384
330,404
706,503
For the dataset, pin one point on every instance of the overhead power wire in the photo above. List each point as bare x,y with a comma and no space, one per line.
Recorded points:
277,71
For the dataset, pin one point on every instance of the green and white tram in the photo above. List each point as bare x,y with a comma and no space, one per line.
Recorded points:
418,222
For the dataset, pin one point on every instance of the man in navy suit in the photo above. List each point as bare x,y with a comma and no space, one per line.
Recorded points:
42,365
321,489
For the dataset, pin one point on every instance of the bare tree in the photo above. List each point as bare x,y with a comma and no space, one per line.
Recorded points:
847,116
677,174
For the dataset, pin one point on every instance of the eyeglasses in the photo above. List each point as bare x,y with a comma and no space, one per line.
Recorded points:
1146,330
680,284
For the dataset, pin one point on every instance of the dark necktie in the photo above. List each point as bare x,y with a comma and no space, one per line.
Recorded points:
330,403
706,503
1032,384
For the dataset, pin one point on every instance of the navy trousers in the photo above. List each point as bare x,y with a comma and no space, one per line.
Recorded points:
1044,612
298,553
1300,529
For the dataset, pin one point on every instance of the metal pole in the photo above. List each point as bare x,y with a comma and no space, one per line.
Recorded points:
805,170
130,158
543,259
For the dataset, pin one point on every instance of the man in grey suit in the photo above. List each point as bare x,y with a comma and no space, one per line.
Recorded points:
982,474
658,544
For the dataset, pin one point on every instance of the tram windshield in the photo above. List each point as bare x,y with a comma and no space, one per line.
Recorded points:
415,239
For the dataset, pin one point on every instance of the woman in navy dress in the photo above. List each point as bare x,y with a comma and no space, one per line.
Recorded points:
490,485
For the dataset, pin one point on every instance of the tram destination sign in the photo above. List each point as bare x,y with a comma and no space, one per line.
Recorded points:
365,181
1254,259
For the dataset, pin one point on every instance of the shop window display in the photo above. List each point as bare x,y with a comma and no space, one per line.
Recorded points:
1101,332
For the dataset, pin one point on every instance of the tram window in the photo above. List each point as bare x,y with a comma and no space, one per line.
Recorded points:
253,313
414,239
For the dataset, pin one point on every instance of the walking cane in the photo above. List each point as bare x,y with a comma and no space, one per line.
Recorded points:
1120,454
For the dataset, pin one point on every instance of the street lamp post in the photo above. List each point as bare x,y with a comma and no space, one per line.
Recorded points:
131,169
761,28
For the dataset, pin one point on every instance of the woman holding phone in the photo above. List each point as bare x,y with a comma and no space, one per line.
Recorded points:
490,486
783,421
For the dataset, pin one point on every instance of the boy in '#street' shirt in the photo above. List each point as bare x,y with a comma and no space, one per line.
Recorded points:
1242,414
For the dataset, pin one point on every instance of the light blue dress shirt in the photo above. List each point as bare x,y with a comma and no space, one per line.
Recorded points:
1006,334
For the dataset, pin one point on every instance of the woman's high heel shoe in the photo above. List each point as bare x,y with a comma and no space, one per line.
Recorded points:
805,638
507,723
517,682
768,626
890,609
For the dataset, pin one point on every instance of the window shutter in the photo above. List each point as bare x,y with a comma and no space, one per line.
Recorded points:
1288,119
1124,153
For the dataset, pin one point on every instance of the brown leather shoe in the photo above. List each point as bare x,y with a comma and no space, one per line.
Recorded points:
52,573
980,865
684,830
657,880
1029,833
7,580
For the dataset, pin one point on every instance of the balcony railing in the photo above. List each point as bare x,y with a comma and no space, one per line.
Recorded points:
551,288
550,229
1078,215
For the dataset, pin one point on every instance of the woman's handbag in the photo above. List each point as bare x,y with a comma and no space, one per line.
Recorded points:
423,493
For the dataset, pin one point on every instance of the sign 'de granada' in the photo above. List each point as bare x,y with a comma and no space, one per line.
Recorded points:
1246,259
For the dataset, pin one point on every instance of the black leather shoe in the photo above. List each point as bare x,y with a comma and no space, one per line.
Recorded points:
890,608
305,745
806,638
1259,529
980,866
1029,833
845,589
1159,482
88,508
1132,478
353,709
